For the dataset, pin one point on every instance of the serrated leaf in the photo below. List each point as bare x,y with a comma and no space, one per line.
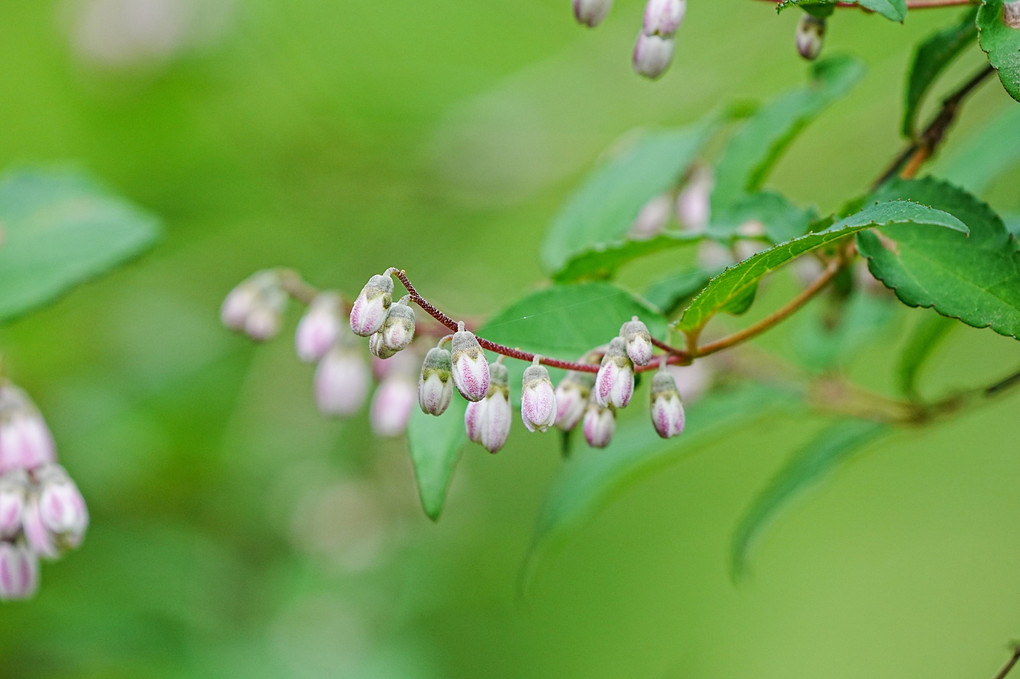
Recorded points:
1001,42
435,445
781,219
929,331
666,293
894,10
735,280
807,467
60,228
930,59
993,150
604,259
974,278
604,208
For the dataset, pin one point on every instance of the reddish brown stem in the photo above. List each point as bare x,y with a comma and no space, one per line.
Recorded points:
911,4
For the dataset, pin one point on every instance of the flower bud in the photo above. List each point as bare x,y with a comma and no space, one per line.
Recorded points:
652,55
488,421
265,319
694,200
319,328
470,371
255,306
664,16
392,405
19,571
25,440
396,332
1011,13
614,383
591,12
341,381
238,304
538,399
369,310
652,219
55,515
638,340
13,489
572,394
666,409
435,385
810,34
599,425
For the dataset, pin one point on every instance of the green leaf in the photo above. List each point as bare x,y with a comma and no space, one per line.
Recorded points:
740,303
819,8
894,10
981,159
609,200
604,259
754,149
665,294
929,331
974,278
733,282
931,58
435,445
830,335
782,219
835,446
1001,42
60,228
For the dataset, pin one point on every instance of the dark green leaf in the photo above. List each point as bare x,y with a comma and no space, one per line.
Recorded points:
975,278
929,331
666,293
740,303
603,260
1001,41
895,10
993,150
782,219
811,464
435,445
60,228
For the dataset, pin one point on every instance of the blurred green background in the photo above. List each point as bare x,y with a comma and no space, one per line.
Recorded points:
237,533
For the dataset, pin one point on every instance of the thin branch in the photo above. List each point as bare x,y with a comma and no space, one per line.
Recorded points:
911,4
297,288
1009,664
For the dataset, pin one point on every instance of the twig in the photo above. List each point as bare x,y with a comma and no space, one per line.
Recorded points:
911,4
1009,664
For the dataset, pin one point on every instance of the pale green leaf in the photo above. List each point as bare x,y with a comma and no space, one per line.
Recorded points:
435,445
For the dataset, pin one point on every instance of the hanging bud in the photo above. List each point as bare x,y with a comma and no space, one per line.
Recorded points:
392,405
470,371
694,200
614,383
319,328
238,305
256,306
572,394
55,515
396,332
13,488
652,219
19,571
341,381
810,34
25,440
664,16
435,385
638,340
599,425
591,12
652,55
369,310
488,421
666,409
538,399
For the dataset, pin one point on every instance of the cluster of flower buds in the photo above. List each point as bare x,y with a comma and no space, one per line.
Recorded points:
653,52
42,514
810,35
255,307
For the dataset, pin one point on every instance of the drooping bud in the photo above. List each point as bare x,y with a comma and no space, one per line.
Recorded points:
538,399
396,332
599,425
652,219
19,571
256,306
694,200
238,304
55,516
392,405
319,328
488,421
25,440
591,12
13,490
664,16
614,383
666,409
572,394
638,340
341,381
435,385
810,35
652,55
470,370
369,310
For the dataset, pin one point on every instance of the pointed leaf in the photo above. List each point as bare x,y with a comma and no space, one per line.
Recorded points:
929,331
604,259
435,445
894,10
999,36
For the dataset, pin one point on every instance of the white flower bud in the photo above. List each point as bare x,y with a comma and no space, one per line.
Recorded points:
694,200
319,328
614,383
256,306
369,310
652,219
341,381
435,385
666,409
25,440
237,305
538,399
599,425
664,16
488,421
652,55
638,341
1011,13
591,12
392,405
470,370
572,394
396,332
55,516
810,34
13,490
19,571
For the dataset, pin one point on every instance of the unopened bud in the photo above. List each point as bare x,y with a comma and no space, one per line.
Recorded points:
693,202
13,489
256,306
664,16
572,395
591,12
488,421
614,383
19,571
652,219
435,385
392,405
25,440
319,328
1011,13
599,425
369,310
810,34
341,381
396,332
638,341
652,55
470,370
666,409
55,515
538,398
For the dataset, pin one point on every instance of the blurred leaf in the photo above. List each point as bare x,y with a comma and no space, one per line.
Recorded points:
1001,43
668,292
754,149
435,445
929,331
607,203
782,219
808,466
603,259
930,59
975,277
830,335
60,228
733,282
894,10
993,150
1013,225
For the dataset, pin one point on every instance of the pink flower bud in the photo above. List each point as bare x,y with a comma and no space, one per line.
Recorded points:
391,405
664,16
369,310
694,200
638,341
19,571
591,12
435,385
13,489
488,421
396,332
666,409
614,383
470,370
319,328
237,305
652,219
652,55
572,396
599,425
256,306
25,440
55,515
341,381
810,34
538,399
1011,13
